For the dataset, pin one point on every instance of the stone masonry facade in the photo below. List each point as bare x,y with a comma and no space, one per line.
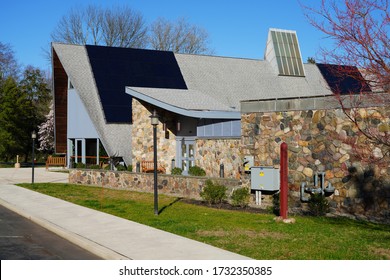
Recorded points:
209,153
327,141
142,136
318,141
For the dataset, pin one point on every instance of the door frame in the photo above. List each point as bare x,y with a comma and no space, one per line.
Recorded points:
188,158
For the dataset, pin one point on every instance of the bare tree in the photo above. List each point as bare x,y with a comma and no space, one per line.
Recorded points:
179,37
8,64
94,18
123,27
119,27
71,28
360,30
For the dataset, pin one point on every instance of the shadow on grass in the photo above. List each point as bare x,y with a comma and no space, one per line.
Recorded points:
348,222
169,205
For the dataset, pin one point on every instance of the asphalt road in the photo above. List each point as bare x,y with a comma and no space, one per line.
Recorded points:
22,239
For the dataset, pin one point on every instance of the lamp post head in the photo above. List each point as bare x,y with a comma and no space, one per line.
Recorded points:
33,135
154,118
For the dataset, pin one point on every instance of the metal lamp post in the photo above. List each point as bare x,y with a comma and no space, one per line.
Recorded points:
33,137
154,122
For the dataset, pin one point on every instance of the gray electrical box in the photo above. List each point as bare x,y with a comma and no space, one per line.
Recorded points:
265,178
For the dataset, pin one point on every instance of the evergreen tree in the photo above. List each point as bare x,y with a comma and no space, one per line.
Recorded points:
15,119
22,107
35,88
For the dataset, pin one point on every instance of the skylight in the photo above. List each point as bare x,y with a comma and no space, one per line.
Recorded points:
283,52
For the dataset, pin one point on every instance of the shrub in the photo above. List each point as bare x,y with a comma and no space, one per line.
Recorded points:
176,171
240,197
80,165
318,205
94,166
121,167
130,168
196,171
213,194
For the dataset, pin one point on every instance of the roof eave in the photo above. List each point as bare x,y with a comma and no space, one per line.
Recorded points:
205,114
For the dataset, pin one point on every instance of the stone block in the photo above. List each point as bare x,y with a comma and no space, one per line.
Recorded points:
344,158
308,172
303,143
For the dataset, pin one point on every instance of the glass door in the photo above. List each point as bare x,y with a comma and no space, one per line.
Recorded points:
186,154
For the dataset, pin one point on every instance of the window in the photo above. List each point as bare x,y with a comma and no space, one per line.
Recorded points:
287,53
219,128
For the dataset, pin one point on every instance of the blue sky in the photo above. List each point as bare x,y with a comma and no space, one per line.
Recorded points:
237,28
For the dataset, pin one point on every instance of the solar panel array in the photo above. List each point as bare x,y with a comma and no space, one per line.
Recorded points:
116,68
287,53
343,79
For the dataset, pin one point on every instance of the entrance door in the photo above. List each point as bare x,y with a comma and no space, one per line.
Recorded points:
186,154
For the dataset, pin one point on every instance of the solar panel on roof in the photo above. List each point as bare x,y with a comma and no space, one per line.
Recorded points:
343,79
284,52
116,68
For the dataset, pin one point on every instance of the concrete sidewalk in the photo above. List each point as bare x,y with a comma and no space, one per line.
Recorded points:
105,235
24,175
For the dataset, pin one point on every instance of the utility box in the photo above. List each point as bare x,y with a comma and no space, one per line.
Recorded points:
265,178
248,163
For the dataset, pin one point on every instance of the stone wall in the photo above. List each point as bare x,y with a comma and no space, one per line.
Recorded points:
211,153
179,186
326,141
142,136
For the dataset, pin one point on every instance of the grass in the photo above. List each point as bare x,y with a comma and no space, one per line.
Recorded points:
254,235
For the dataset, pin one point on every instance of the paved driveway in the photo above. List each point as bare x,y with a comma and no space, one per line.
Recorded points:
10,176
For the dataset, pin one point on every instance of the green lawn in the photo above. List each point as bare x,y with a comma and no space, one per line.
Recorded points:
254,235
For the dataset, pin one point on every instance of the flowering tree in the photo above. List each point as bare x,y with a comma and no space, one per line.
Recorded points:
46,133
360,30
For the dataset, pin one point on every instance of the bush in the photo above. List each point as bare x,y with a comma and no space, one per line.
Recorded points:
213,194
196,171
240,197
176,171
120,167
80,165
130,168
318,205
94,166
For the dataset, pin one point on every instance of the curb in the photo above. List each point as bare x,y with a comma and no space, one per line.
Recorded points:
87,244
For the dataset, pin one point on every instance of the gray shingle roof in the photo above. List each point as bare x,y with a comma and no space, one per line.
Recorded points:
231,80
186,99
220,83
75,61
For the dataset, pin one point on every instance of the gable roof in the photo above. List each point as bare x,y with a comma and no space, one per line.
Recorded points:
75,62
216,85
188,84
